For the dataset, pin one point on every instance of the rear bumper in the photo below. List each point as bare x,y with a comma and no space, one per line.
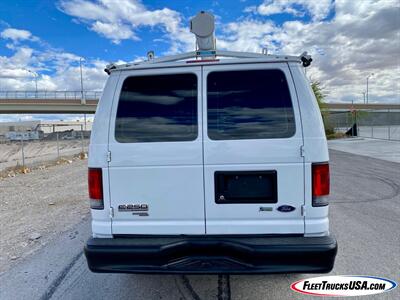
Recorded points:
211,254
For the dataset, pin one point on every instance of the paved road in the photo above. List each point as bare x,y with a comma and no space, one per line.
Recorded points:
365,214
381,149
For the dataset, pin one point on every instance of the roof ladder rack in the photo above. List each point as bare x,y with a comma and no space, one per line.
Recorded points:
202,26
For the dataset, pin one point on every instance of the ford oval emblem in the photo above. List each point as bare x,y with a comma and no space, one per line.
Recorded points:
286,208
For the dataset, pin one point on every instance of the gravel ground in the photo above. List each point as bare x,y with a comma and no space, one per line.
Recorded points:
37,206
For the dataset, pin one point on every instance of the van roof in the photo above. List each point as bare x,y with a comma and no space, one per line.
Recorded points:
209,57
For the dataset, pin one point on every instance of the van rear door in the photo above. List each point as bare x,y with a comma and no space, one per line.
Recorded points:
155,140
253,168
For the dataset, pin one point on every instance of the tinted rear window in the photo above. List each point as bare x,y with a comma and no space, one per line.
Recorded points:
253,104
160,108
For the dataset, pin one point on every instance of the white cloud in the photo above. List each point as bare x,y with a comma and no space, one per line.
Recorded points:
248,35
19,70
17,35
362,38
68,79
317,9
113,31
120,22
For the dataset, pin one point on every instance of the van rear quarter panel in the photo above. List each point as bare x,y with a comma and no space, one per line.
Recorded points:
98,147
99,137
315,149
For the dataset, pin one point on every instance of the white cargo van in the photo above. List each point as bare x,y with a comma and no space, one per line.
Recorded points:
209,162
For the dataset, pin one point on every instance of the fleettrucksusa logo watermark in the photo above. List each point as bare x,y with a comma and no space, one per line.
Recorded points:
345,285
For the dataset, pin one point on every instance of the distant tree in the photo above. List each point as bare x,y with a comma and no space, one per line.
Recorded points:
320,96
319,93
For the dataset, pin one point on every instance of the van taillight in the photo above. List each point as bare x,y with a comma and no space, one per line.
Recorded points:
320,184
95,181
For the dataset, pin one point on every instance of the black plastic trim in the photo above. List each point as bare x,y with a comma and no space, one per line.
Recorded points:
220,178
211,254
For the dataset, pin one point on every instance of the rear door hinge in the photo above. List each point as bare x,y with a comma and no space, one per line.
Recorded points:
302,151
108,156
111,212
303,210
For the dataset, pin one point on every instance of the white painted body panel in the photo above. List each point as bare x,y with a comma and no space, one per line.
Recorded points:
315,150
167,176
98,147
176,179
281,155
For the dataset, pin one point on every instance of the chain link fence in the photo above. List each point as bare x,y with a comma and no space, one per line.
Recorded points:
378,124
56,145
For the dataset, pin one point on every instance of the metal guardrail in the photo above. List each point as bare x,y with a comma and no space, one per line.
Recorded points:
95,95
62,95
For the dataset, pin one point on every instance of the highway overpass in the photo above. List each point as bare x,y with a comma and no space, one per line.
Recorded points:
47,106
48,102
74,102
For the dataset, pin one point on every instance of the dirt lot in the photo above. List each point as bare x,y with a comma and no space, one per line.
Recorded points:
35,207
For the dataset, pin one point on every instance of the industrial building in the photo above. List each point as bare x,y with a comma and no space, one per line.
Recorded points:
35,130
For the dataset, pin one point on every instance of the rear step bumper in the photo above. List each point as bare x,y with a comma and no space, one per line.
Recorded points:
211,254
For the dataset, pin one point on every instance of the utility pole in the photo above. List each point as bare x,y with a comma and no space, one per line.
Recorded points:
364,96
367,84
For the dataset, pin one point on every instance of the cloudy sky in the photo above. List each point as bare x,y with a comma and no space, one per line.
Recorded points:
348,39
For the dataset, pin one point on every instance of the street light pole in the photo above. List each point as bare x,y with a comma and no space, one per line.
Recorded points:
36,91
35,75
80,67
367,84
83,100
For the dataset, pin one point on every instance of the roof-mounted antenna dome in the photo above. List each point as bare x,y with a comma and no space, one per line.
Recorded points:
202,26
